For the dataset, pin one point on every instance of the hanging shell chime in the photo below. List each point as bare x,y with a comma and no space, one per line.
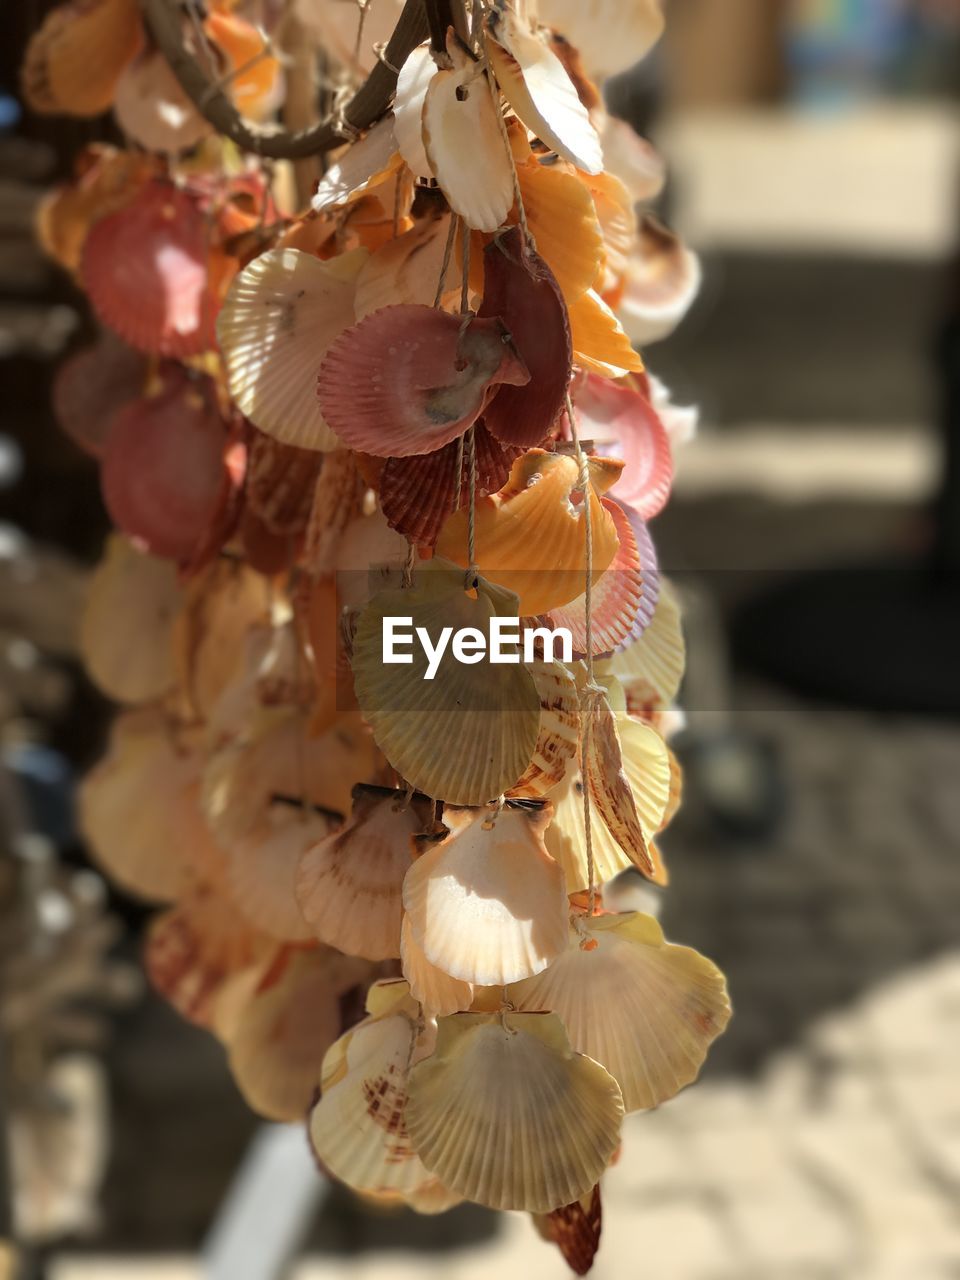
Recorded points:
381,882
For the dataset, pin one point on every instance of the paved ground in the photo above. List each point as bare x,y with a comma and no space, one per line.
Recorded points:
823,1142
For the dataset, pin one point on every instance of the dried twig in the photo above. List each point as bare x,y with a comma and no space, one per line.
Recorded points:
164,22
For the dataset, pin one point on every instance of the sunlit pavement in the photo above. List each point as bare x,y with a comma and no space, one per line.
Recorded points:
842,1161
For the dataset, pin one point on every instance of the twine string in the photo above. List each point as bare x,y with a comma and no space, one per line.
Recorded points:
591,690
447,253
502,125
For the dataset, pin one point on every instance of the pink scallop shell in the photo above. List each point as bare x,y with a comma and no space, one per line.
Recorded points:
623,600
145,270
627,426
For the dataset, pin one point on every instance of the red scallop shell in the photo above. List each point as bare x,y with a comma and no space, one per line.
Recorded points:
281,480
520,288
163,474
145,269
418,494
92,385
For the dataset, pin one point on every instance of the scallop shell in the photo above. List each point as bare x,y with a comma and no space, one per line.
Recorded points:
254,78
436,991
72,63
276,758
466,735
530,538
632,159
194,949
409,379
610,35
623,601
280,483
488,903
575,1230
559,729
620,799
282,313
680,421
357,1129
408,269
623,422
508,1116
145,270
676,791
600,345
412,84
223,601
563,221
646,767
126,629
663,278
537,87
92,385
349,884
618,223
139,810
360,167
271,672
370,556
646,1009
520,288
275,1052
152,108
262,871
418,494
337,501
651,668
104,181
464,146
163,475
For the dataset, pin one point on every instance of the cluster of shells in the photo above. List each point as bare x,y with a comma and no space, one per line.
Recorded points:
420,397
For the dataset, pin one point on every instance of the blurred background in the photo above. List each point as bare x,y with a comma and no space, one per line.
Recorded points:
814,535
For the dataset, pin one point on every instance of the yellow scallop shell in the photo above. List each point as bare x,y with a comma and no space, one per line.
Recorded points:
488,903
651,668
126,632
73,62
349,883
467,735
530,537
646,768
506,1114
646,1009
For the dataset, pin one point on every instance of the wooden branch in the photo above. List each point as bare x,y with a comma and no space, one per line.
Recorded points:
163,19
442,14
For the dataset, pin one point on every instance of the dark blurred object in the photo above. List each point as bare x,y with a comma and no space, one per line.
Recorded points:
750,35
876,635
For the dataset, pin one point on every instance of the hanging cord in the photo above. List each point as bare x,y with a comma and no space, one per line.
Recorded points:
591,690
445,264
472,569
471,438
364,6
502,124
